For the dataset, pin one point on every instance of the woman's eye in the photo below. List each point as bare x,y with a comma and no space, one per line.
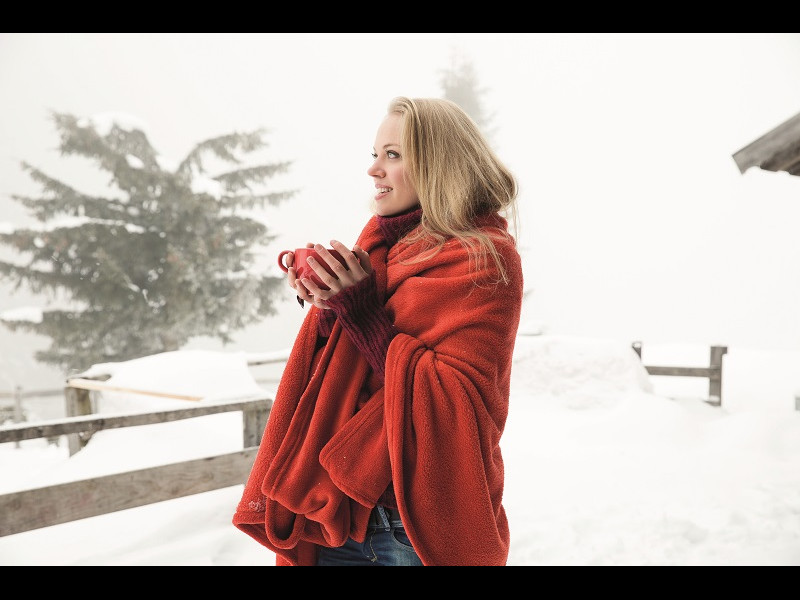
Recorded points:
374,156
392,154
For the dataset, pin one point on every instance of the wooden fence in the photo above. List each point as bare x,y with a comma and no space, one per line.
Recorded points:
15,411
52,505
713,371
34,508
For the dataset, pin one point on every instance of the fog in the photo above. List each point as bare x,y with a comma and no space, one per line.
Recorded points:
636,223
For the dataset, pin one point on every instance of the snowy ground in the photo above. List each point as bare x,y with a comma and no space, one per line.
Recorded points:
603,467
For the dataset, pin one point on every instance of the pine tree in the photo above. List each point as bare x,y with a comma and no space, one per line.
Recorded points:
460,84
166,255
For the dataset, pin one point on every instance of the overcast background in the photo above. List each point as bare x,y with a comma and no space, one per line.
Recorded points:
635,221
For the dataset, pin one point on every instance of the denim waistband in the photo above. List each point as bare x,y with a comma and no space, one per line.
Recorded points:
382,517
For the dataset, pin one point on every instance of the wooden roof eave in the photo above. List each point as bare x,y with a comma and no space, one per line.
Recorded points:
776,150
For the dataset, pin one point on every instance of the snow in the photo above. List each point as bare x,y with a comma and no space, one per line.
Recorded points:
24,313
134,161
602,468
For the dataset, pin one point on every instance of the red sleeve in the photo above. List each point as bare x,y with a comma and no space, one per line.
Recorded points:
365,321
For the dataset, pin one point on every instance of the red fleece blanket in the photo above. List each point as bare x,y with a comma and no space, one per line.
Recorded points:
433,430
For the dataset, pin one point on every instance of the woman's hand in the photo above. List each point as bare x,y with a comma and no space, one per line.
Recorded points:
358,268
292,271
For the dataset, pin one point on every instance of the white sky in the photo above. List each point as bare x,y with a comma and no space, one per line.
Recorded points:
600,469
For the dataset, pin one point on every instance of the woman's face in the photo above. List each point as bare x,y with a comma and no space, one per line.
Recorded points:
394,193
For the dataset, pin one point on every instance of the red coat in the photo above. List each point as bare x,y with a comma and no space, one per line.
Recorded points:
433,430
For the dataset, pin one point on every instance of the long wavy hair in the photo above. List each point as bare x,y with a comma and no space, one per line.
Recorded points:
457,177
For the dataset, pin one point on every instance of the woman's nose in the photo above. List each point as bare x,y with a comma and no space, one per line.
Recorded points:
375,171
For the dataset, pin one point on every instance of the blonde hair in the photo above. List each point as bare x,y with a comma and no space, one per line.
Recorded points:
456,175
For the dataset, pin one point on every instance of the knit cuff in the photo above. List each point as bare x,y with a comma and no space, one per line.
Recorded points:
366,321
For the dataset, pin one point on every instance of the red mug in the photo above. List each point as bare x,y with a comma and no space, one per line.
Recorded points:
303,269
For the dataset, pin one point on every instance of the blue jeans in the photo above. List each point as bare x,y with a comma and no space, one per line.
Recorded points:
386,545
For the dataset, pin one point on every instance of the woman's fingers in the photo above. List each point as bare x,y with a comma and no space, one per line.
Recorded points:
302,291
363,259
356,268
358,265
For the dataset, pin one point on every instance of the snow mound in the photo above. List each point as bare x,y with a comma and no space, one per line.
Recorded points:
578,372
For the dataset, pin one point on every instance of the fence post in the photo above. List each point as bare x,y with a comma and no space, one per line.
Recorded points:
78,403
715,379
254,422
19,415
637,347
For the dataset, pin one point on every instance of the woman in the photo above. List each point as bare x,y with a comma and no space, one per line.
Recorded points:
382,446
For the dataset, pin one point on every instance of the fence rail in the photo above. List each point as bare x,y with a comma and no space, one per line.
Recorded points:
713,372
77,400
35,508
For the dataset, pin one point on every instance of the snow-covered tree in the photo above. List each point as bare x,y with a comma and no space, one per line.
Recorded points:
167,254
460,84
